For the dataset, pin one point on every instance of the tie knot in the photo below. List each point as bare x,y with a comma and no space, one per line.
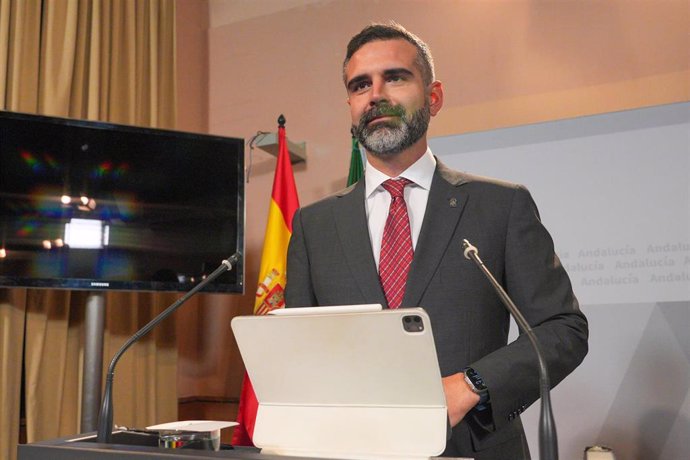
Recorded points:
396,187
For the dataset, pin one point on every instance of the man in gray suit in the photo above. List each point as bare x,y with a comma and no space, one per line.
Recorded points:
340,248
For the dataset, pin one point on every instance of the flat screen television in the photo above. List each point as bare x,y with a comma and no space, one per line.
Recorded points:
98,206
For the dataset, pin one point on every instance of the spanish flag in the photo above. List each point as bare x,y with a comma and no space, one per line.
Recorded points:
269,293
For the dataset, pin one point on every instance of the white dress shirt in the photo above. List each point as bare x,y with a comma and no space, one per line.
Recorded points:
378,200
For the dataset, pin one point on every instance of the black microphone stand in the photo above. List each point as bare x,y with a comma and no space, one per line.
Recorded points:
548,439
105,417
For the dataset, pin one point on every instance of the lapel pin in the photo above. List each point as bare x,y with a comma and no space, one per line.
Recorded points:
453,202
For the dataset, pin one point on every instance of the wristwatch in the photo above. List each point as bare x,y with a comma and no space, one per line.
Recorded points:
478,386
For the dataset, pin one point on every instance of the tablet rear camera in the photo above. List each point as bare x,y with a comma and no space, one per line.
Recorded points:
413,323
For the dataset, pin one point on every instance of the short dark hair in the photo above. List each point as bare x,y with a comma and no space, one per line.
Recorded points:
392,31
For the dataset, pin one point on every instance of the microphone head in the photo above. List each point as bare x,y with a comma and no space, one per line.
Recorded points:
232,260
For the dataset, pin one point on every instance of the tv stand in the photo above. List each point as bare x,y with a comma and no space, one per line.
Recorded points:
94,328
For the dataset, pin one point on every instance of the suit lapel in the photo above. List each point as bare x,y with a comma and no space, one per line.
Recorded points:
444,208
353,233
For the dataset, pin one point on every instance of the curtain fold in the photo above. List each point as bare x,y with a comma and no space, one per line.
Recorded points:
53,358
20,43
12,318
58,36
107,60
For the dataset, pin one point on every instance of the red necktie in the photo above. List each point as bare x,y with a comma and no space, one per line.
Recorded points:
396,245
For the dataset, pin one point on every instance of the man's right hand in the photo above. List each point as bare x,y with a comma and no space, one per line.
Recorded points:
460,399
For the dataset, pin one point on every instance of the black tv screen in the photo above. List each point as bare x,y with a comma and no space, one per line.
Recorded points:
89,205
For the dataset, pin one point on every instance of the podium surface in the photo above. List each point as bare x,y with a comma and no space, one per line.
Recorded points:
75,447
69,448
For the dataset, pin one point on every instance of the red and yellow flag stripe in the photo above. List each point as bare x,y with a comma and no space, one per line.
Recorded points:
284,203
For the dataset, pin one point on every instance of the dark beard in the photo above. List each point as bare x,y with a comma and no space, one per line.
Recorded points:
385,139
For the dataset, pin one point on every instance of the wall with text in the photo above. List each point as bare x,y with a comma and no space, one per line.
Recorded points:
614,191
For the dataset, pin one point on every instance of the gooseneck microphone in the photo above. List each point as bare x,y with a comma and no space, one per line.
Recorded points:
105,417
548,440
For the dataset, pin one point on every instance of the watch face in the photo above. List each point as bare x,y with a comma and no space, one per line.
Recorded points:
475,380
477,385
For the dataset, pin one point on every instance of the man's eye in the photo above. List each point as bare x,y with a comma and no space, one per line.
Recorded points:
395,78
360,86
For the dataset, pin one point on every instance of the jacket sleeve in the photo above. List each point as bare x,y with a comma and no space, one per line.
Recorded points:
299,291
541,289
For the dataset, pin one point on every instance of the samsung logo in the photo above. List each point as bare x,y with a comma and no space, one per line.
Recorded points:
97,284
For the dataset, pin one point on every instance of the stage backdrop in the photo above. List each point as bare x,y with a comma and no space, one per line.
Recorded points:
614,191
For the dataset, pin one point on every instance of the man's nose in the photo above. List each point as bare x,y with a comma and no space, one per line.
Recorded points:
377,93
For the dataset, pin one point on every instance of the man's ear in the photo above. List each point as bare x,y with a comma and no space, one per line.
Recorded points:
435,97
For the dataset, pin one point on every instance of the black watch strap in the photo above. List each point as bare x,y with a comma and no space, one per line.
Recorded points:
478,386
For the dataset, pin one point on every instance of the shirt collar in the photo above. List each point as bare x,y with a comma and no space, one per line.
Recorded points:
421,172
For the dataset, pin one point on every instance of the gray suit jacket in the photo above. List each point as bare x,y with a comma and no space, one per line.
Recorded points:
330,262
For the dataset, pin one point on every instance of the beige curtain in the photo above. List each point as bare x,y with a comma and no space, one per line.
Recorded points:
12,314
108,60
